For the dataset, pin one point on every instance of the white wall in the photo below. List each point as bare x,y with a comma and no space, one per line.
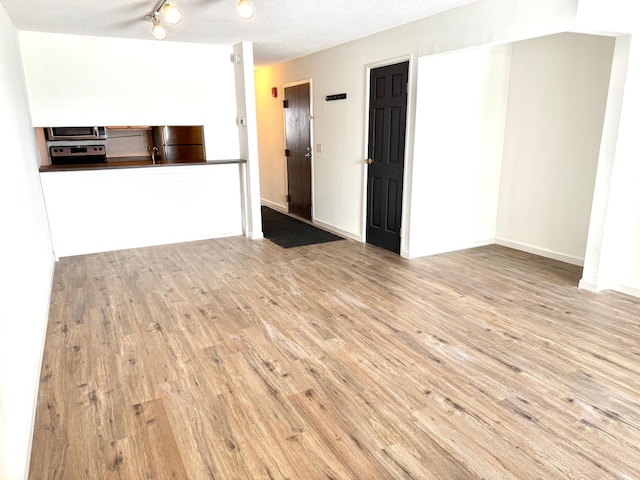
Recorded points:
271,137
337,126
460,114
341,126
613,256
146,82
137,207
79,80
26,263
246,101
557,99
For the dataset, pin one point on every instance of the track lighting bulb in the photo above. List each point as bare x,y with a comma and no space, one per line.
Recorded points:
245,9
171,14
158,31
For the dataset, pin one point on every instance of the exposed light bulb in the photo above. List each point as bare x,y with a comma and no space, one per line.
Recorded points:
245,9
158,31
171,14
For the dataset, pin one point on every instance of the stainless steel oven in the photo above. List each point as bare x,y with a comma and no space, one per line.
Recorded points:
77,154
76,133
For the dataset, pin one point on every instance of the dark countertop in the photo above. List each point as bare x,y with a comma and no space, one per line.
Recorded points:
130,162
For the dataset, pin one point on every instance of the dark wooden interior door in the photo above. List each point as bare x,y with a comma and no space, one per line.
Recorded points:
298,149
387,130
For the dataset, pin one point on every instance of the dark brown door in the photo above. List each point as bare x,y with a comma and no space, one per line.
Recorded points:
387,129
298,149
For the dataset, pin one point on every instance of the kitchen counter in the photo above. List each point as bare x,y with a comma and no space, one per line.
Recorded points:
131,162
133,203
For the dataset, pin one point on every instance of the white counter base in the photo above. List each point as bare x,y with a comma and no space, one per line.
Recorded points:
102,210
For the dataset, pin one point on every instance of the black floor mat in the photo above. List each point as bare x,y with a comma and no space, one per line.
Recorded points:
288,232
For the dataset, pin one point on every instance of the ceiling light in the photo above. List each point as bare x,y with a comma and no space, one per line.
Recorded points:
245,9
158,31
173,16
171,13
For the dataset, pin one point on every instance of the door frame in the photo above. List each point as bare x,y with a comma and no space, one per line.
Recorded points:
408,148
311,137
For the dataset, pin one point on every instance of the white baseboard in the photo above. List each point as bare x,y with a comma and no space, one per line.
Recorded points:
273,205
541,251
450,248
633,291
624,289
158,242
589,286
337,231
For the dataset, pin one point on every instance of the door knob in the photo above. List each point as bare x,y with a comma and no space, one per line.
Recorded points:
307,155
368,161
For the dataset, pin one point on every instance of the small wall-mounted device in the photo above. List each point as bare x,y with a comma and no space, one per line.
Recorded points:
274,92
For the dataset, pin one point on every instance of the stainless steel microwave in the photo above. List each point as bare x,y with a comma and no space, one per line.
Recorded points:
76,133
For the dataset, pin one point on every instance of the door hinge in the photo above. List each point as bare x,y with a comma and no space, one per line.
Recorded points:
285,104
287,198
287,152
407,87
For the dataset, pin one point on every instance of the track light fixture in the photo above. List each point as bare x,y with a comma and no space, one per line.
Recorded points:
170,13
245,9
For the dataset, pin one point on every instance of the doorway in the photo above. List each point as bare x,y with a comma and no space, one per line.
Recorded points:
297,114
388,87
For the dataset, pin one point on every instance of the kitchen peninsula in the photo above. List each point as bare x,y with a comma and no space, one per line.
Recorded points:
135,198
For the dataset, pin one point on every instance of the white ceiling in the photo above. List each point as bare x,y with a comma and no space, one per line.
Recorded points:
281,29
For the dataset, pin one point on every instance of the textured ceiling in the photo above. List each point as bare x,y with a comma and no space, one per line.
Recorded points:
280,30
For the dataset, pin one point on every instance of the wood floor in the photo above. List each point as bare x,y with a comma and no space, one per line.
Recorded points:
236,359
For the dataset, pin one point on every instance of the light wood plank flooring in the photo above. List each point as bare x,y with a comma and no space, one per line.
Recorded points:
236,359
